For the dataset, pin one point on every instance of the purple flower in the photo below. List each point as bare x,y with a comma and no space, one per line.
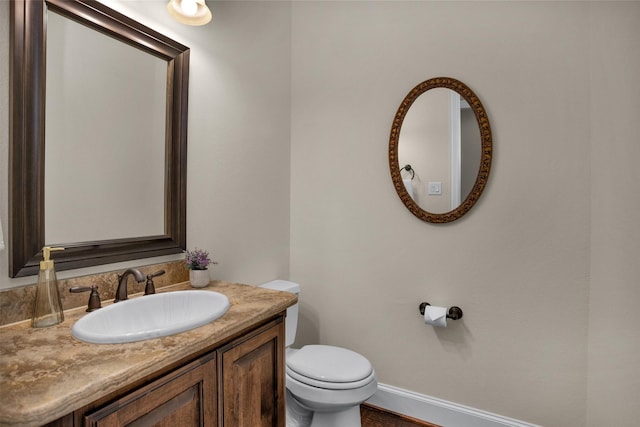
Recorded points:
198,259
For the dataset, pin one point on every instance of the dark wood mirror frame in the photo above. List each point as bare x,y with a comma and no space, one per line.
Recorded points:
485,157
27,130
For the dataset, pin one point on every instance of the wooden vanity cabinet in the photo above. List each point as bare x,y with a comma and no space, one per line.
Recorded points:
186,397
251,380
240,384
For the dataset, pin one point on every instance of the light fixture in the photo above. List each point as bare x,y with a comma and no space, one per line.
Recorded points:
190,12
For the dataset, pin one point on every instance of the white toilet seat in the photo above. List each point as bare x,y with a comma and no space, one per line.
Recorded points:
330,385
330,367
325,399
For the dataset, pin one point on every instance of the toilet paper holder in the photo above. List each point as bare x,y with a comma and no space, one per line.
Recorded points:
454,312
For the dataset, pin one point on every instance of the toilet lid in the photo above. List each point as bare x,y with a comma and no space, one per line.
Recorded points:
329,364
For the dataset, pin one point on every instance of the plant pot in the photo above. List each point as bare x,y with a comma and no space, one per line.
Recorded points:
199,278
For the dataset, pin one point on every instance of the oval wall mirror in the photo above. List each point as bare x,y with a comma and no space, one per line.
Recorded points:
440,150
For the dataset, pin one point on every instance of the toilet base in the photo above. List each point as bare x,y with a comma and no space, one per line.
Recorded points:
297,415
300,416
349,417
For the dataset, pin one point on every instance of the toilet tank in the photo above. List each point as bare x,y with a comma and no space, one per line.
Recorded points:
291,322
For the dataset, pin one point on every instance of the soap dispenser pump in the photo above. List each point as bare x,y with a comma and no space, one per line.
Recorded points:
47,310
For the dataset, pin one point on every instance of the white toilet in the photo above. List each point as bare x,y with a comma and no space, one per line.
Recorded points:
325,384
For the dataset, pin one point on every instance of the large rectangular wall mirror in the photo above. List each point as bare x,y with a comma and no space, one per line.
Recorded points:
98,136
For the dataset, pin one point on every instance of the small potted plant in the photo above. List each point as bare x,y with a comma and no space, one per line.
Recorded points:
197,261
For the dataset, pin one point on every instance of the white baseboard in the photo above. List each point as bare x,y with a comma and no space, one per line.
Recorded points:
438,411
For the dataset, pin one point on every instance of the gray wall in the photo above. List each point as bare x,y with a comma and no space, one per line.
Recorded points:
614,337
556,224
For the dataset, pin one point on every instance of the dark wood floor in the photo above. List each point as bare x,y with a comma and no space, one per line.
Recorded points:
373,416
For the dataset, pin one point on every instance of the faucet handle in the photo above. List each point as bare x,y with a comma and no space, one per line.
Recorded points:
94,298
150,288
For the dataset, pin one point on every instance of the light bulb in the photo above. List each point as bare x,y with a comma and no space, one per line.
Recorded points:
190,12
189,7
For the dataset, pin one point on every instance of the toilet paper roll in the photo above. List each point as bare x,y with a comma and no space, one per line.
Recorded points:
435,316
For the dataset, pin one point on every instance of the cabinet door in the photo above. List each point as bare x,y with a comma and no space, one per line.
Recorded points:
185,397
251,377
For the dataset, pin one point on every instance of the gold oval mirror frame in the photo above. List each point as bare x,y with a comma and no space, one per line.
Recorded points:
485,155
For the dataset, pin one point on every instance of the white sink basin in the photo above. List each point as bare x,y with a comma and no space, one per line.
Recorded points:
150,316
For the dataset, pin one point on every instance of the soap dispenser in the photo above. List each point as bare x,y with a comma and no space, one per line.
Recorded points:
47,310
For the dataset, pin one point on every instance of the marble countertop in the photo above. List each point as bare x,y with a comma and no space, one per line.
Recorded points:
47,373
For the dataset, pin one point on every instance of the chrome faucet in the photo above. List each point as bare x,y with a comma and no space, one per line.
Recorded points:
121,292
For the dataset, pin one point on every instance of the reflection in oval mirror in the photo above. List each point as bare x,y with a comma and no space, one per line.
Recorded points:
440,150
440,140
